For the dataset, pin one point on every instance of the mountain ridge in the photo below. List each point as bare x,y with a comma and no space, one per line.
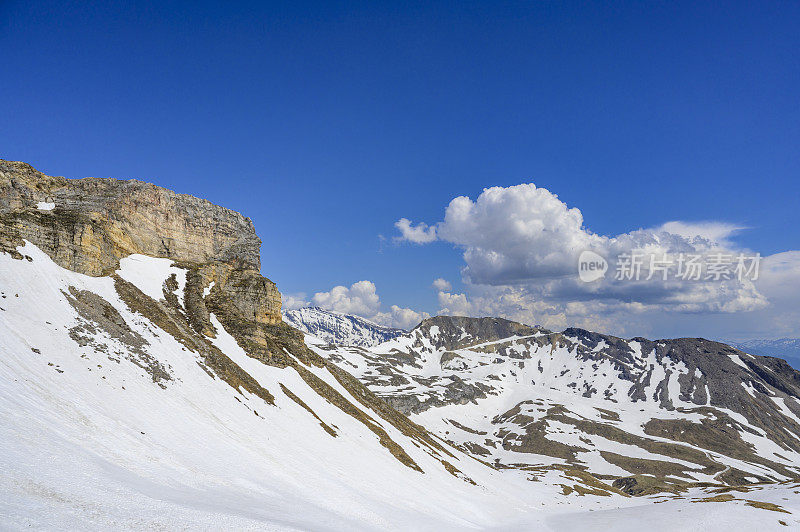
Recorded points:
339,328
787,348
700,396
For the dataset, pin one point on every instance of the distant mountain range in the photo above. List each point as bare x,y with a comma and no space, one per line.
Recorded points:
658,415
339,329
787,348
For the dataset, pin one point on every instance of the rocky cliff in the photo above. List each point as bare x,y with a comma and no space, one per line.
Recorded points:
88,225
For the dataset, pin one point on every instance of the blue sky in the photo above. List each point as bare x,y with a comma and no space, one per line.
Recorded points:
327,123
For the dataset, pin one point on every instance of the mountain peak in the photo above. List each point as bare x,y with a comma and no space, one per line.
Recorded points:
452,332
340,329
89,225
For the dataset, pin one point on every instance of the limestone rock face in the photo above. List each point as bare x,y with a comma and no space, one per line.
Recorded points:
88,225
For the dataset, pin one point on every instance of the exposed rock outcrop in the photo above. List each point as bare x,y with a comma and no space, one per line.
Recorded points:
88,225
457,332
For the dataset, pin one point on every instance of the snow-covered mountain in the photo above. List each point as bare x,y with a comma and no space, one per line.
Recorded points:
148,381
678,411
788,348
339,329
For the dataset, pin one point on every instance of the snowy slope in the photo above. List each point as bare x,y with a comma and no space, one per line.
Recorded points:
103,430
337,328
88,436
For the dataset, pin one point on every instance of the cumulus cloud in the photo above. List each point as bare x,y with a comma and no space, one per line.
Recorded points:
293,301
515,233
361,299
442,284
716,232
402,318
419,234
626,318
521,246
508,302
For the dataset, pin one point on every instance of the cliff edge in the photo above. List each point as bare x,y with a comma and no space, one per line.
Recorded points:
88,225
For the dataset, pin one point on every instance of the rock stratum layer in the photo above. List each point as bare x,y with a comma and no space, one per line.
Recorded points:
88,225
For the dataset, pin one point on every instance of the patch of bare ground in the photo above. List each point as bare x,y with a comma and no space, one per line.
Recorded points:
725,497
174,323
766,506
300,402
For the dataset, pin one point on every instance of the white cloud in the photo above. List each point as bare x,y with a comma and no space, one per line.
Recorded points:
421,234
716,232
293,301
520,247
361,299
515,233
508,302
403,318
779,276
442,284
